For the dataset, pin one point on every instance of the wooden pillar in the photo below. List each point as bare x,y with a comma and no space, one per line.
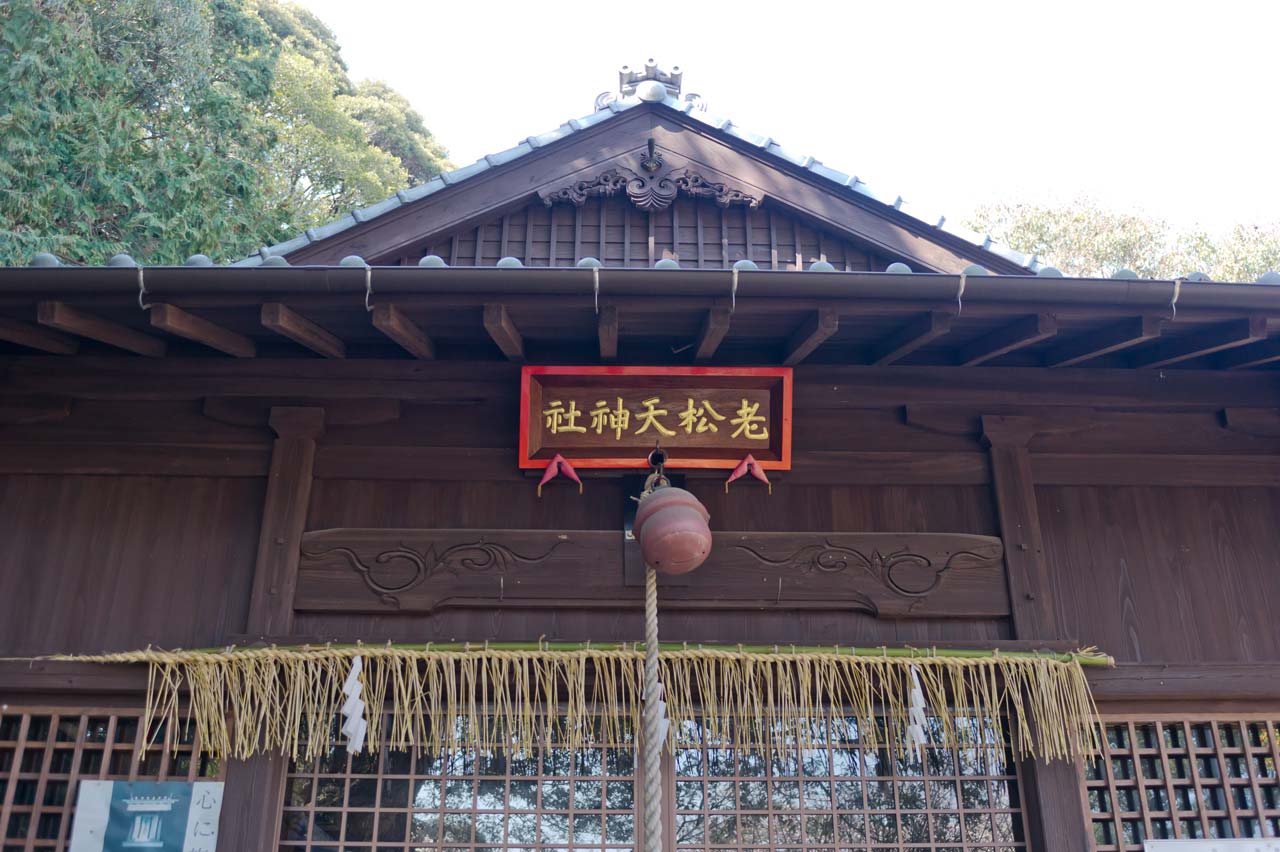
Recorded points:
283,517
1056,816
252,804
1032,605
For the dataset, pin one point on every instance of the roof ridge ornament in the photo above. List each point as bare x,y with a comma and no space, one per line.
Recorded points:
650,84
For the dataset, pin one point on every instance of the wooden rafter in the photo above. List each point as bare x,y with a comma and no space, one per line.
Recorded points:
1215,338
285,322
1016,335
1256,355
497,321
1113,338
810,335
607,331
912,336
63,317
715,325
183,324
392,322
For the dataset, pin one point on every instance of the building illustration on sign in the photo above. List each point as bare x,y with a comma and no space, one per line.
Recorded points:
165,816
148,822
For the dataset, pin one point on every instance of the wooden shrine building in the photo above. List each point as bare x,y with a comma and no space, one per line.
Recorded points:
340,440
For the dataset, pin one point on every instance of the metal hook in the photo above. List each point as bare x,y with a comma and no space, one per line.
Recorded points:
368,288
142,292
1173,303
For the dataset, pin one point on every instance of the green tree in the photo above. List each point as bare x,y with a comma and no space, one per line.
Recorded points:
392,125
168,127
323,163
118,131
1084,239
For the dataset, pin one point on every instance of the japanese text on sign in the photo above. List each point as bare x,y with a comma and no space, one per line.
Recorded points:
655,417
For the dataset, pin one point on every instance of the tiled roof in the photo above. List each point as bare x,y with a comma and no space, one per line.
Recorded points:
767,144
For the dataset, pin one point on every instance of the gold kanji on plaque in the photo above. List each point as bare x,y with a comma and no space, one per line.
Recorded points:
748,422
560,419
617,419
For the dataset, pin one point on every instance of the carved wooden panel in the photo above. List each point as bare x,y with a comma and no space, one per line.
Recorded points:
889,575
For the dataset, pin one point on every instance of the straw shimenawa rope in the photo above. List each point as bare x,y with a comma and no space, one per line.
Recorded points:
246,701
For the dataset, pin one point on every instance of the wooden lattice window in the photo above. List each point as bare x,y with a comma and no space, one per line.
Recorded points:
1180,778
550,798
45,753
838,794
842,794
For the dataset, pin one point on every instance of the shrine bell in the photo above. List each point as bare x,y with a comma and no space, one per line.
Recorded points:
672,526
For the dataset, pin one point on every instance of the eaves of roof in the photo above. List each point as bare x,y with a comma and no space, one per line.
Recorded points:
924,220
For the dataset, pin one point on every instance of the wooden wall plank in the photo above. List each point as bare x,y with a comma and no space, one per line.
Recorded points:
121,459
111,563
1166,574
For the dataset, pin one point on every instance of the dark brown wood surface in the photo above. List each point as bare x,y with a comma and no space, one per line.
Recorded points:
114,563
1163,574
888,575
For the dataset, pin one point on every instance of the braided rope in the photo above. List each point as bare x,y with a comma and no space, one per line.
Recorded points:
652,718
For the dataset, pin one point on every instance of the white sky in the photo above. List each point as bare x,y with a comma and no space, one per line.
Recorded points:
1171,107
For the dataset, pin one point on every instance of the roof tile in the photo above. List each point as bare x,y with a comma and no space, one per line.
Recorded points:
415,193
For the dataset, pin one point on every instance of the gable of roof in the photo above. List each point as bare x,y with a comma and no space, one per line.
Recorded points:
787,179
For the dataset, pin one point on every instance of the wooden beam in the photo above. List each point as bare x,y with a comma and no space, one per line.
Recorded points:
392,322
1186,682
915,334
283,321
1256,355
63,317
607,329
1104,341
715,325
1156,469
1215,338
35,337
504,332
1002,341
809,336
183,324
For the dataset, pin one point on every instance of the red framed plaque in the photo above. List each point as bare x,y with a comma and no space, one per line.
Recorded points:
611,417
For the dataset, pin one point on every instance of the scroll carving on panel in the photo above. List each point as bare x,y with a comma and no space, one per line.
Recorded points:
887,575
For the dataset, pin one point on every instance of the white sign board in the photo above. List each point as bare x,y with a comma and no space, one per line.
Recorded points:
147,816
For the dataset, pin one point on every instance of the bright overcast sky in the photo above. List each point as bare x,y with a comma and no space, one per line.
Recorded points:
1168,107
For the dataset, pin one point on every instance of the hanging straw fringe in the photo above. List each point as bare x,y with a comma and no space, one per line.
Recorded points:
244,701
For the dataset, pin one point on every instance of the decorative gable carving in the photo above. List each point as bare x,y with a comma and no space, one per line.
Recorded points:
650,189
